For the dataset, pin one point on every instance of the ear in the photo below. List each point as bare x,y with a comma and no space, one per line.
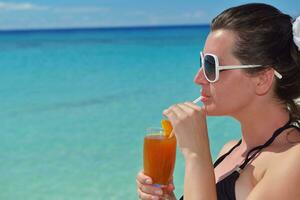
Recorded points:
264,81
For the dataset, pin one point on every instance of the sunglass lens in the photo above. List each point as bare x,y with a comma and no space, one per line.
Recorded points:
210,67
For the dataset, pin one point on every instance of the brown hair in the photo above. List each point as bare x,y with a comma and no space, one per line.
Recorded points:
265,37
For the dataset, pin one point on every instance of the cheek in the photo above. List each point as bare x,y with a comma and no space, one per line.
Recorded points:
229,97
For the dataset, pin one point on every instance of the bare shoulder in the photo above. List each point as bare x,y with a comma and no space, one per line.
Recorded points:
227,147
291,155
290,150
286,160
282,177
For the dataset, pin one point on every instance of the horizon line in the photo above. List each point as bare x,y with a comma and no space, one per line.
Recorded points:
101,28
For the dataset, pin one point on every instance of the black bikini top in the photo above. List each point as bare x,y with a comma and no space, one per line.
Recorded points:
226,187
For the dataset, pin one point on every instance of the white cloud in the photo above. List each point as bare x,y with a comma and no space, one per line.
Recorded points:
20,6
151,18
5,6
81,9
195,15
15,15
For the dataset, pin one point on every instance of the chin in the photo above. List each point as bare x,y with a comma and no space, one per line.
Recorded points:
212,110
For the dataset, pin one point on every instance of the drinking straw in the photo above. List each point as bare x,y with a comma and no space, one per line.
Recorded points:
197,100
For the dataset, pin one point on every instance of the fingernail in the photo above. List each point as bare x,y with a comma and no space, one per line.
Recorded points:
148,181
171,187
155,198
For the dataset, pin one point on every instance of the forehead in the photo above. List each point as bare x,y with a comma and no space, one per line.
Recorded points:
220,42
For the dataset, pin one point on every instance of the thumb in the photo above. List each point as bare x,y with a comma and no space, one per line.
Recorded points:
170,187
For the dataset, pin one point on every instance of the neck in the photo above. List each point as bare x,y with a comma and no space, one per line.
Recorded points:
264,121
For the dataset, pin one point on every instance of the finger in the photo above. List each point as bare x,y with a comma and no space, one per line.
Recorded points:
170,114
151,189
166,111
142,178
146,196
139,185
193,106
196,107
186,108
179,112
170,187
173,108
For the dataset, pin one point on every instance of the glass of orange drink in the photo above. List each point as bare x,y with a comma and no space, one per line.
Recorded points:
159,155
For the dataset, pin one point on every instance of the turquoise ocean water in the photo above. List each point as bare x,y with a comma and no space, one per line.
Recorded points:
75,105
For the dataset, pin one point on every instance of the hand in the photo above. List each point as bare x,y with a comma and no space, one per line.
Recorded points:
146,190
189,126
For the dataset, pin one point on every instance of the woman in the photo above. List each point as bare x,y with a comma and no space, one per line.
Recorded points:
257,45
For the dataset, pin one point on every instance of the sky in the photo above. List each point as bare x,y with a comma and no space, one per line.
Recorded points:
48,14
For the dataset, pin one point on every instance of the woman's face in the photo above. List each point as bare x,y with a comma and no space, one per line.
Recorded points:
234,90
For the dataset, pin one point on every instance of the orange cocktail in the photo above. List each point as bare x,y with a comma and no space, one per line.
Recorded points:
159,156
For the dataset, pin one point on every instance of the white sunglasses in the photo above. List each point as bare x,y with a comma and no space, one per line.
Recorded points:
211,67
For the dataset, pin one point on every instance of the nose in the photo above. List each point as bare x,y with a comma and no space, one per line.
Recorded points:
199,78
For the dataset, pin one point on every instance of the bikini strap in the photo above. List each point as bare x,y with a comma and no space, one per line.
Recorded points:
220,159
257,149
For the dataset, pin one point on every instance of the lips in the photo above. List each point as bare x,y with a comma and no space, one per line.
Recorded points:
205,96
